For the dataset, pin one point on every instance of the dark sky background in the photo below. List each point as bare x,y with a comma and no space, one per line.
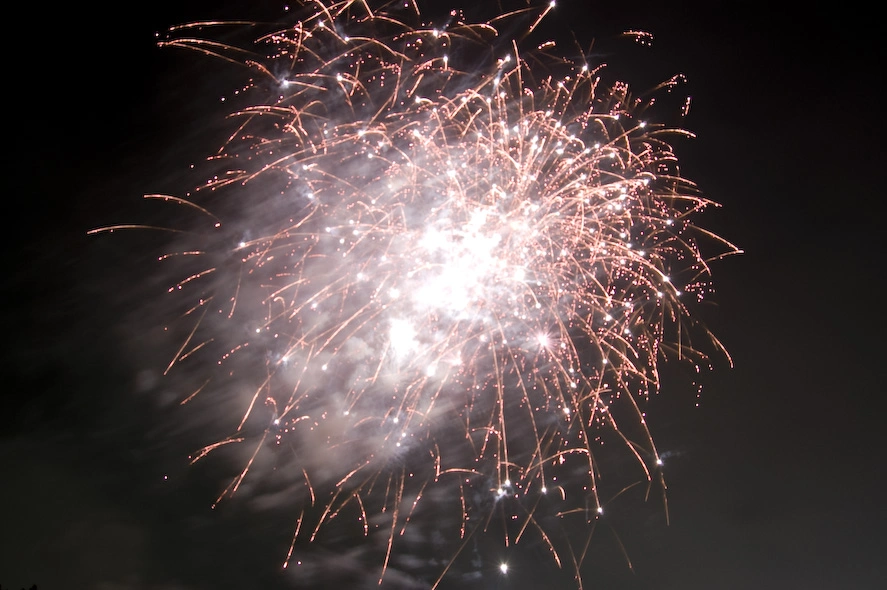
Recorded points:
775,481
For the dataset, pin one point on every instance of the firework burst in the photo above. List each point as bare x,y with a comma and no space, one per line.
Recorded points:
451,270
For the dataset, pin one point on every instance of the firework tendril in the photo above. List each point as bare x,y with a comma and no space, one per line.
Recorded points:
454,270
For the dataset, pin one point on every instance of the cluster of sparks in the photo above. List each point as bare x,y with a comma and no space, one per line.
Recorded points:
452,270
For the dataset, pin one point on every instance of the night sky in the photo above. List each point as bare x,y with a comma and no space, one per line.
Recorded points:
774,481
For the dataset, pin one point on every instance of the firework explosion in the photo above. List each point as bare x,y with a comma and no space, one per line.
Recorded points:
454,267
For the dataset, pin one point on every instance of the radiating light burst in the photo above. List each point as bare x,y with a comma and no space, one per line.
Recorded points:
451,263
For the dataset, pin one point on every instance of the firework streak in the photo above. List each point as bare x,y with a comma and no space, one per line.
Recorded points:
456,264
